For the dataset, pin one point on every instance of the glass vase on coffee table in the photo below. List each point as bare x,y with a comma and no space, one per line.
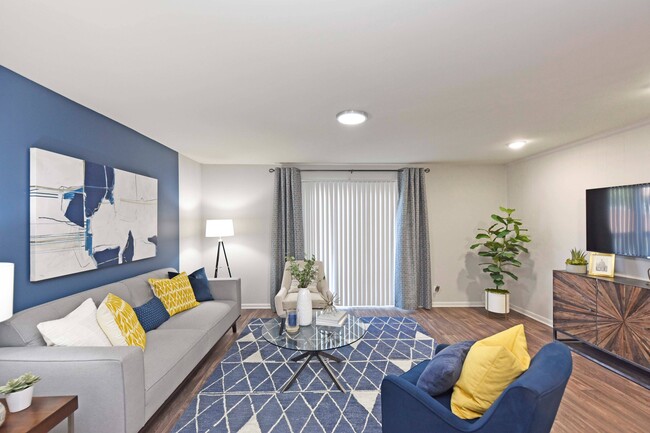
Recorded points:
313,341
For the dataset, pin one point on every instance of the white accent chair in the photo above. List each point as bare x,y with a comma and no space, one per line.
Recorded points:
287,298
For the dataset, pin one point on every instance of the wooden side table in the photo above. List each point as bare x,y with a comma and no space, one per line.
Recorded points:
43,415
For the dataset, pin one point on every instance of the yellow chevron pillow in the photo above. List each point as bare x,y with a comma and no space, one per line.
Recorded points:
120,323
491,365
176,293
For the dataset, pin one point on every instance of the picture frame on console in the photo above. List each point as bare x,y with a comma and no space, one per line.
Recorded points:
602,265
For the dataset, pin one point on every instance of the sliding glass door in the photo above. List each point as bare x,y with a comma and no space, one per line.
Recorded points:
350,226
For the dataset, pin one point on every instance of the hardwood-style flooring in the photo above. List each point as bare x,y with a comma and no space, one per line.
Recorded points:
596,400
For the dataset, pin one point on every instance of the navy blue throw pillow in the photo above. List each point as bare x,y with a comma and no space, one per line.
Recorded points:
200,285
151,314
443,371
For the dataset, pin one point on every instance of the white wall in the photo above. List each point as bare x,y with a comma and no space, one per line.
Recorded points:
243,193
461,199
190,218
549,193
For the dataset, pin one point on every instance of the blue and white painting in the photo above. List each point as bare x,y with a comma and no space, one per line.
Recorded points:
86,216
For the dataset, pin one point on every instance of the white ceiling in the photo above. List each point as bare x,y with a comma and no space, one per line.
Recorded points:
260,81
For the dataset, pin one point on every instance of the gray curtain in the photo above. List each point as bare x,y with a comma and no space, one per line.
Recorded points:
412,262
287,237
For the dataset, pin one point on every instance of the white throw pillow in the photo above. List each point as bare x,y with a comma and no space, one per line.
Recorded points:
294,286
313,287
79,328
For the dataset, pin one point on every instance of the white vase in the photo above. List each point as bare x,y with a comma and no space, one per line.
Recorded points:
304,307
21,400
497,302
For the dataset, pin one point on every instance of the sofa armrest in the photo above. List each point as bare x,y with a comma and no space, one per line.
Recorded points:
279,309
407,408
109,382
226,289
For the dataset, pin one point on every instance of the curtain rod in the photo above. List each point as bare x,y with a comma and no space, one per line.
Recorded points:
426,170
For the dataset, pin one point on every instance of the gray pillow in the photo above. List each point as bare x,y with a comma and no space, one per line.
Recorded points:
444,369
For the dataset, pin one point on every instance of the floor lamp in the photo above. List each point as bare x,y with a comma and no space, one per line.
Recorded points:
6,291
219,229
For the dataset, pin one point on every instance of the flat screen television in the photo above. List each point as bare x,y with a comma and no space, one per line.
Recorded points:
618,220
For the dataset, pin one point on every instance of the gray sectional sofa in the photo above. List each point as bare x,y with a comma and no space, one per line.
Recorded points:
119,388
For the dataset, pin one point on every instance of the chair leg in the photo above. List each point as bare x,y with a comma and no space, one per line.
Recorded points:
234,327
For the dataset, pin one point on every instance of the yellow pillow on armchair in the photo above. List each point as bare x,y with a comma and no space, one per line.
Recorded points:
176,293
491,365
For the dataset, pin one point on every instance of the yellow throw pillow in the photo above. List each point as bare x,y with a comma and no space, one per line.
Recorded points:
491,365
176,294
120,323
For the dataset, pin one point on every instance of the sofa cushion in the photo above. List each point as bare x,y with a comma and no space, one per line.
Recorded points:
203,317
200,286
151,314
139,287
171,355
79,328
166,349
158,392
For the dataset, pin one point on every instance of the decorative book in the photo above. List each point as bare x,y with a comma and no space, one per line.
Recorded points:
336,319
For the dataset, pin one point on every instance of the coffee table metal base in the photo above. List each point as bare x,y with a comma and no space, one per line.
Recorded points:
318,355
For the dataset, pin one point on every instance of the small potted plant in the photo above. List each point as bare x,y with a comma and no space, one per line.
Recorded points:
304,274
501,244
577,264
19,392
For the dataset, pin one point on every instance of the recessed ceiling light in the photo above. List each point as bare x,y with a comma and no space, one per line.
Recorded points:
517,144
352,117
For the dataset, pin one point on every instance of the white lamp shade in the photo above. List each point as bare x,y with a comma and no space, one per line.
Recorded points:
6,291
219,228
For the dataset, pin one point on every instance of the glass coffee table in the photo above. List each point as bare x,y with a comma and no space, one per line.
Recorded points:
313,341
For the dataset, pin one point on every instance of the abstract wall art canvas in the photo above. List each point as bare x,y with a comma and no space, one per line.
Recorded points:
86,216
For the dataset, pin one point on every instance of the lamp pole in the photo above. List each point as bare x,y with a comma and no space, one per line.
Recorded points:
219,248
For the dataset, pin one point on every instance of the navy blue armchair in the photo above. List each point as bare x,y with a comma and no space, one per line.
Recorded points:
528,405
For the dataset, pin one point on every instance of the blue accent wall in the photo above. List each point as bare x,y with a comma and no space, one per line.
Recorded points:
33,116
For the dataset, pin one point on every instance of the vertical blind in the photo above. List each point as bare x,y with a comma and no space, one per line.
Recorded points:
350,226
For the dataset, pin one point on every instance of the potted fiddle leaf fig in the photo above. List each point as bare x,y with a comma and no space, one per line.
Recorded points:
19,391
577,263
501,244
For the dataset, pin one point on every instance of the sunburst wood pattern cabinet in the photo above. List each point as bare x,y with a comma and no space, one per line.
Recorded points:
611,314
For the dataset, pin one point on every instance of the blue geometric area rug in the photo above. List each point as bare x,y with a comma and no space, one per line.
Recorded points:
242,394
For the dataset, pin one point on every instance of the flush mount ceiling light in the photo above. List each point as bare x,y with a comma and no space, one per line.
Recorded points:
517,144
352,117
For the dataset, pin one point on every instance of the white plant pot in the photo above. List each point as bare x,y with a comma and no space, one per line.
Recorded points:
497,302
21,400
576,269
304,307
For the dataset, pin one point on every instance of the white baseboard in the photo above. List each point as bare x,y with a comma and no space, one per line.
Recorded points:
446,304
541,319
255,306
